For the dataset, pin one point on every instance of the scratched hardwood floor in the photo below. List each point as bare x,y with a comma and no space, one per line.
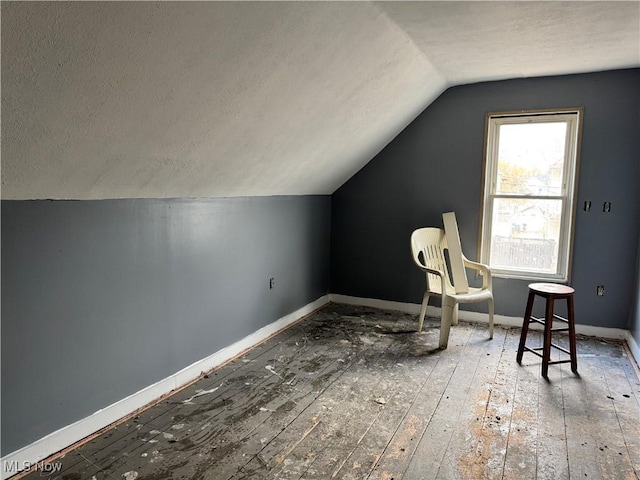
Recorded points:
356,393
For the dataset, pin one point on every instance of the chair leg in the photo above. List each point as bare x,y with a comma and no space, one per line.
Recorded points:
423,311
490,302
445,323
454,318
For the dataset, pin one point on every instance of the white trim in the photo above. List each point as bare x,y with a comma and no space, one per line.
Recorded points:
634,348
572,118
66,436
414,308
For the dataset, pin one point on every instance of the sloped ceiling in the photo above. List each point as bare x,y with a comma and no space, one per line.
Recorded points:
214,99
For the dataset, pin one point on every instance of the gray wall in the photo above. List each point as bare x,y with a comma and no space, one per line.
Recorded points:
435,165
103,298
635,308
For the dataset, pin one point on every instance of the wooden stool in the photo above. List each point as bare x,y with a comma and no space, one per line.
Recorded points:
552,292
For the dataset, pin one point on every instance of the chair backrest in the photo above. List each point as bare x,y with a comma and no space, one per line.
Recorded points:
430,243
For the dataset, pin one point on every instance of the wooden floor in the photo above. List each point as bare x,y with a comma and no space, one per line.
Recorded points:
355,393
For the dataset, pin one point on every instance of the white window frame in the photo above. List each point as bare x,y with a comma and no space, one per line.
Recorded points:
574,119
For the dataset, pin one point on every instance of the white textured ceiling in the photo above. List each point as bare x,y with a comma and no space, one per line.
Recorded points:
214,99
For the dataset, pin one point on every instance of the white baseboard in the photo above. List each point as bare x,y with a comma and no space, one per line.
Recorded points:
41,449
634,348
414,308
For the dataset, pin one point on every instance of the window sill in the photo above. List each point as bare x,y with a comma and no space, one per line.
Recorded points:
529,277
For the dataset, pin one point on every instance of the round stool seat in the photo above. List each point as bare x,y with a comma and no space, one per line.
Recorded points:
551,289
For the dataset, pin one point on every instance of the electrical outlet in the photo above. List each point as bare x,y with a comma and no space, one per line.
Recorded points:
600,290
272,283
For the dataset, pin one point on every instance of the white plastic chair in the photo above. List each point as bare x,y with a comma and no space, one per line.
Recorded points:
428,246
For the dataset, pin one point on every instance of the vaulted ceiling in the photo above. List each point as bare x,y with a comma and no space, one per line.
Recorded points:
214,99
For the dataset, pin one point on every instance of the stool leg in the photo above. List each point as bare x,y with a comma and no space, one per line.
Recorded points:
525,326
572,335
546,346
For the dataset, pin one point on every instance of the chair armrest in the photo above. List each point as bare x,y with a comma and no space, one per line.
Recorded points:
484,270
433,271
424,268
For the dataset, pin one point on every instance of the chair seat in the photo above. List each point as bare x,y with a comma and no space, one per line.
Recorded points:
474,295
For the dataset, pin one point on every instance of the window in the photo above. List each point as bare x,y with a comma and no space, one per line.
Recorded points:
531,164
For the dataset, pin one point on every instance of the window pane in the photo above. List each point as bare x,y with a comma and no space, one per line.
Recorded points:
531,158
525,234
